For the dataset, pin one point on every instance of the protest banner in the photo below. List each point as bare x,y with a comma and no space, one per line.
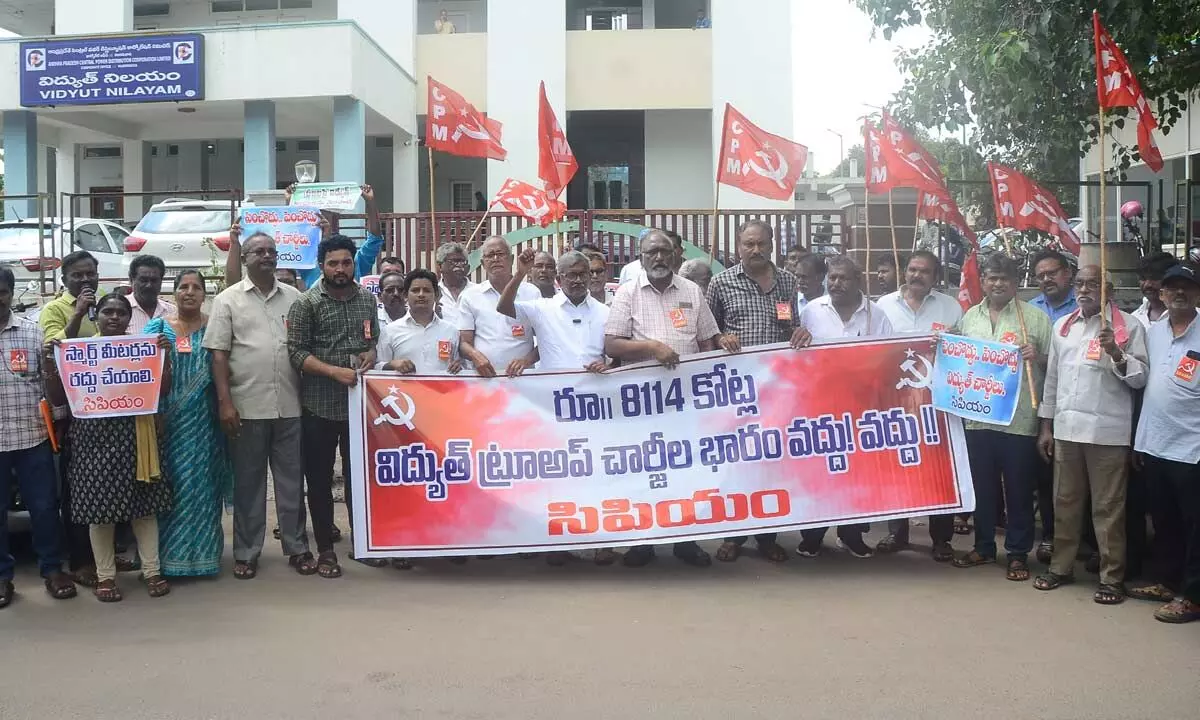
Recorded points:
295,228
110,376
977,379
765,440
371,284
335,196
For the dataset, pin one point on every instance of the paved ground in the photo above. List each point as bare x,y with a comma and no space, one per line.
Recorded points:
834,637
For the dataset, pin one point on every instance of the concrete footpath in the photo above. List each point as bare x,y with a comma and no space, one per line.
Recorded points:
833,637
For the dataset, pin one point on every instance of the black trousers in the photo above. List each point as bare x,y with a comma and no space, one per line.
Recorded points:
77,541
941,529
1174,494
322,439
1045,498
845,532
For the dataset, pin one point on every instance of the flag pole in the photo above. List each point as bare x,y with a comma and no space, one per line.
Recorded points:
895,247
712,245
1033,398
1103,228
432,198
475,232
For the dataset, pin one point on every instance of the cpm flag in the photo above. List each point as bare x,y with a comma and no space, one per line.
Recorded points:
527,201
1022,204
754,160
909,148
454,126
556,162
888,168
1116,86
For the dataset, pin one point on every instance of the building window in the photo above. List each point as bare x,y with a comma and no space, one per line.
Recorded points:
383,141
280,146
151,9
295,4
172,150
227,6
113,151
224,6
210,148
462,196
256,5
310,146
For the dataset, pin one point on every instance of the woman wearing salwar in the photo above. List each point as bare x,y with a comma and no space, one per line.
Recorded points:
115,473
191,539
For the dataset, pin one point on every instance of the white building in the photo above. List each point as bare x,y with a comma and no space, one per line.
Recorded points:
342,82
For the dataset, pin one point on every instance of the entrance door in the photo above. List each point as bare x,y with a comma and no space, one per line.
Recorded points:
111,206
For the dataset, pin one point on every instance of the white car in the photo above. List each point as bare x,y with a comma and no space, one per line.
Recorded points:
185,233
37,259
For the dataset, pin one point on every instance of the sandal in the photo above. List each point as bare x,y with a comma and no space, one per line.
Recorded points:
85,577
7,592
304,563
942,553
972,559
106,591
60,586
962,527
605,556
158,586
1178,612
327,565
1109,594
245,570
127,565
772,551
1052,581
890,544
402,564
1157,592
1018,570
729,551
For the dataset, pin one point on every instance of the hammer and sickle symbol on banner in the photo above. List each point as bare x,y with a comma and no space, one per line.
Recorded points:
531,208
771,171
471,130
917,378
402,416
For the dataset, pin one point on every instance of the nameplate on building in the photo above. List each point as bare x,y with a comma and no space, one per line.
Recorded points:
112,70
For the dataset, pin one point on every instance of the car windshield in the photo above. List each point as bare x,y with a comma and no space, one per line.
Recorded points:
25,236
184,220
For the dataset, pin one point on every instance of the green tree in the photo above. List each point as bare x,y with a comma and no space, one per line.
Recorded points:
855,154
1021,73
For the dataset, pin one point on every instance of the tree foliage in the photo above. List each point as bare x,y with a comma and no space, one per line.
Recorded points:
1021,73
855,154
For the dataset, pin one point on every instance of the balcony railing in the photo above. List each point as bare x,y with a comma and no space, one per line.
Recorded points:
411,236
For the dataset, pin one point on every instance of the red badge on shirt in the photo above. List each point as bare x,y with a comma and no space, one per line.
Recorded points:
1093,349
783,311
183,344
1187,369
518,331
939,327
1009,338
444,350
367,329
678,318
18,361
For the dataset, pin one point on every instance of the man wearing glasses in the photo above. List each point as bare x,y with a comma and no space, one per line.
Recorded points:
494,343
453,269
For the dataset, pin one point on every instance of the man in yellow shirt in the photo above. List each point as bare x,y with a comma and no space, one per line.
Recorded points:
67,316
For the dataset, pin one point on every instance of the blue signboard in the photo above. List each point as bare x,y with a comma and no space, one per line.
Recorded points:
112,70
976,379
296,231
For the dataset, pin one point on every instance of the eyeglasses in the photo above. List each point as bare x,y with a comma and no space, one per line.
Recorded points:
495,255
456,262
576,276
1087,284
598,272
657,253
263,252
1049,275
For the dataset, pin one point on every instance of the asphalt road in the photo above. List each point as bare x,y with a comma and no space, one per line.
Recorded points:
834,637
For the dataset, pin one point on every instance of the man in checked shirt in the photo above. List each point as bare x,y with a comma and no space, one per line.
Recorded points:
754,303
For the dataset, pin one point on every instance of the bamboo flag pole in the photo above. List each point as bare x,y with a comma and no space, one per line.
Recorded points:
895,247
712,245
867,262
432,199
475,232
1024,332
1103,229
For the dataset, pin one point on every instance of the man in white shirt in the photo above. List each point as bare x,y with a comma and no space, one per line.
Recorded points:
1150,274
453,267
494,343
420,343
391,297
545,269
917,308
846,312
1095,365
810,279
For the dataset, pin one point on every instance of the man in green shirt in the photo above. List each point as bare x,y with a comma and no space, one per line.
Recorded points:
1004,458
67,316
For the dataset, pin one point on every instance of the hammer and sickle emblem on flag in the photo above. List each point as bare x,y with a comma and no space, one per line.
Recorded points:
771,171
530,207
401,416
471,130
916,378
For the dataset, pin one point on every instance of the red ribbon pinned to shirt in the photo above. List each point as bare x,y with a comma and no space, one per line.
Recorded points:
1120,332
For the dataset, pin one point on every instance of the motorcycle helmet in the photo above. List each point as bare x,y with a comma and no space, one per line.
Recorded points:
1131,210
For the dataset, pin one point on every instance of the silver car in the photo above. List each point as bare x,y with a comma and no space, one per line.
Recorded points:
38,259
184,233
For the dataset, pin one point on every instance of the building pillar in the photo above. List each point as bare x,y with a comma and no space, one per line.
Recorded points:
648,14
258,162
538,28
136,177
349,142
392,24
406,173
90,17
20,162
769,61
66,168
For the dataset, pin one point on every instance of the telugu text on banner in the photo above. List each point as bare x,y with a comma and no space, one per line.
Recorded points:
977,379
769,439
111,376
296,230
336,196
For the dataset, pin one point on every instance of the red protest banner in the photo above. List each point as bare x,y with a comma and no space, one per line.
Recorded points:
556,162
453,125
1022,204
754,160
529,202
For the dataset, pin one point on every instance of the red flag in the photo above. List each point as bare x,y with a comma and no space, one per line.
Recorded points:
908,147
531,203
756,161
888,168
1022,204
940,207
1116,86
556,162
970,289
453,125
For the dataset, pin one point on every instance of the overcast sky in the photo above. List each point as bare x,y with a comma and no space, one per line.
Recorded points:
837,68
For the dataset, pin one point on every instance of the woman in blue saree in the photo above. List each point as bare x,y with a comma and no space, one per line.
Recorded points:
191,537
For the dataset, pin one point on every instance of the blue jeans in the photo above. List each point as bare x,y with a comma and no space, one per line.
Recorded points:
38,483
1002,462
